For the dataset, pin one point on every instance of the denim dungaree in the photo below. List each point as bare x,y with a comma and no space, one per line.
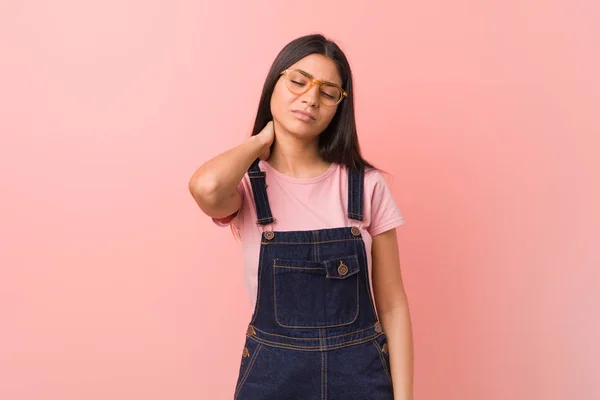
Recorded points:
314,332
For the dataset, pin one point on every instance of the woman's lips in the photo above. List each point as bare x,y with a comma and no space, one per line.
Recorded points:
302,116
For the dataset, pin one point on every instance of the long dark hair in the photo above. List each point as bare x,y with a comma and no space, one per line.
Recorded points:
339,141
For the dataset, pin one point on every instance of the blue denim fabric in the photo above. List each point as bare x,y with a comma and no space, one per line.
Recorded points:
314,333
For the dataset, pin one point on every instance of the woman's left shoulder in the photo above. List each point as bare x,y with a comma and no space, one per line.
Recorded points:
374,177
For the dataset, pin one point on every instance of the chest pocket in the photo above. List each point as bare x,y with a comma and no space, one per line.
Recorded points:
316,293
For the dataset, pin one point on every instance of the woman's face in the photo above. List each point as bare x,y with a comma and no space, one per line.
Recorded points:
303,115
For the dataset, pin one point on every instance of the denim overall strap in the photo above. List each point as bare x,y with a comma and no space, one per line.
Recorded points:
259,190
355,193
261,199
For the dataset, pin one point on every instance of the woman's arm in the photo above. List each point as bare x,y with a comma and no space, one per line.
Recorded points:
214,184
393,311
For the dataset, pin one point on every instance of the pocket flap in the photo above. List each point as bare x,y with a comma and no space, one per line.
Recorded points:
284,266
341,267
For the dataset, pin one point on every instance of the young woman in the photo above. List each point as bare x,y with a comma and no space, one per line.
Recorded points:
317,223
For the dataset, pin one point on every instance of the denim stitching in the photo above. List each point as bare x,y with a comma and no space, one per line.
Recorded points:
316,348
364,257
323,369
360,193
274,275
350,193
257,200
262,203
327,337
247,373
324,241
383,361
260,271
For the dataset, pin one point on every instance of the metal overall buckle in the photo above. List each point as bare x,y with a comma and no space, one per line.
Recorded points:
269,234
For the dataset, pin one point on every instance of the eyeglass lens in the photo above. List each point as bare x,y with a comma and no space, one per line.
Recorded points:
299,83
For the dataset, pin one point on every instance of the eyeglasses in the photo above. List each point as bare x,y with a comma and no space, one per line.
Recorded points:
300,82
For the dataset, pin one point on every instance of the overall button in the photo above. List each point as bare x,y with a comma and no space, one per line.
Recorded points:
355,231
384,348
342,269
378,327
250,331
269,235
245,353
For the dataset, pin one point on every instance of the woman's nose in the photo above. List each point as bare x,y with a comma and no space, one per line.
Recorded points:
312,96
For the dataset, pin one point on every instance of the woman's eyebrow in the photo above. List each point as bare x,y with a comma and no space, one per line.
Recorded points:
311,75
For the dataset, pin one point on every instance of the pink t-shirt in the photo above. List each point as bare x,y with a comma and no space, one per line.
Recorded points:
307,204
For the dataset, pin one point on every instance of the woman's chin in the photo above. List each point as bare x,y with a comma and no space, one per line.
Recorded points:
301,129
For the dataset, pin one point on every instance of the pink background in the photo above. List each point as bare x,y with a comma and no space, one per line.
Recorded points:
114,285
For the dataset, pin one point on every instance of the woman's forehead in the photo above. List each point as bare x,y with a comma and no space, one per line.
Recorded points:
320,67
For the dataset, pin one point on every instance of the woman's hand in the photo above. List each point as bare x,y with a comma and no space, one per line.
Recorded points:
266,137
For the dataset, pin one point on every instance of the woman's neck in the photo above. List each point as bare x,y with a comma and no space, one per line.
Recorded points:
297,158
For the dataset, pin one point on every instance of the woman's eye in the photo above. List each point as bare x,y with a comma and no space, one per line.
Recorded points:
299,83
327,95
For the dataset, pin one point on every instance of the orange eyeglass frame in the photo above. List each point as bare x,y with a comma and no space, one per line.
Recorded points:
314,80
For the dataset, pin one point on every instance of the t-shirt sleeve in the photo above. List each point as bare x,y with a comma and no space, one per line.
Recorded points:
234,220
385,214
